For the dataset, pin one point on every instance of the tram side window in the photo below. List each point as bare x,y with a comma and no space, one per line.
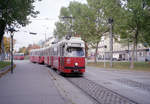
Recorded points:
61,51
50,52
58,51
46,53
55,51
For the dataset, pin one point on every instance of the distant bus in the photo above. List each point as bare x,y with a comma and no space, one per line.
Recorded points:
18,56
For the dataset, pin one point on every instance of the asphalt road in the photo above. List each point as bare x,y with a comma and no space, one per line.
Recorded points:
134,85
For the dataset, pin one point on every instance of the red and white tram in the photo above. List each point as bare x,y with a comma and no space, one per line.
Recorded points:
67,56
19,56
37,55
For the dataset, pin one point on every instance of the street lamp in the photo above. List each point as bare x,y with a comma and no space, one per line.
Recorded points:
11,30
32,33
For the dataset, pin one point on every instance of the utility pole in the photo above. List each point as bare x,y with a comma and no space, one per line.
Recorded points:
105,56
128,51
12,30
110,21
71,18
12,53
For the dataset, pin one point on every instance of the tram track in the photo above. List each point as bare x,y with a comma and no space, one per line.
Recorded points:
96,92
100,94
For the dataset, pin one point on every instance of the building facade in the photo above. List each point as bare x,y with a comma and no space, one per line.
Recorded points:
120,51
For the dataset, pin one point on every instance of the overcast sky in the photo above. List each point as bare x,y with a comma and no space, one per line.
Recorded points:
40,25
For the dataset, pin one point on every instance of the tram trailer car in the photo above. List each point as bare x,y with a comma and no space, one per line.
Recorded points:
37,56
41,56
46,55
32,56
19,56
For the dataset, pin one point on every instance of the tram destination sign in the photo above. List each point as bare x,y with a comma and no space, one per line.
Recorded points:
76,44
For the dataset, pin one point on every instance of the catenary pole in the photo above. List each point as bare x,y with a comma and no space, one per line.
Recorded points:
110,20
11,30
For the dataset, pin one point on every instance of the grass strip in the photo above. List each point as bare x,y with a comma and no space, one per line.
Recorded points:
143,66
4,64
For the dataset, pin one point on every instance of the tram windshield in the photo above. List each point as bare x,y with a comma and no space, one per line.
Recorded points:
19,54
75,51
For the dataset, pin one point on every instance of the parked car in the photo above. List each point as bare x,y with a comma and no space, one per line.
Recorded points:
147,58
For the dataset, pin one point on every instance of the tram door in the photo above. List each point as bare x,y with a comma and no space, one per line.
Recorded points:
61,57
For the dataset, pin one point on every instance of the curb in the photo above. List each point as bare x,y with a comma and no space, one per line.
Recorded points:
5,70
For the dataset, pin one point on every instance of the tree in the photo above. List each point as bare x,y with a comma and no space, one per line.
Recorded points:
23,50
60,30
77,25
100,23
137,22
7,44
87,22
27,49
15,13
131,20
83,22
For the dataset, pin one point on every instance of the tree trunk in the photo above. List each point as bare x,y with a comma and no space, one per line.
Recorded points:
132,57
86,50
136,42
136,53
2,50
134,48
96,51
2,30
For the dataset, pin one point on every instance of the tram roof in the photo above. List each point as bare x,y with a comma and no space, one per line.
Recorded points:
19,53
73,40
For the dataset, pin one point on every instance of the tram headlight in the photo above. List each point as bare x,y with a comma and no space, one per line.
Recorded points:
76,64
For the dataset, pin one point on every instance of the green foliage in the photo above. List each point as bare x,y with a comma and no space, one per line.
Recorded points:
23,50
16,13
136,22
60,31
4,64
88,21
131,19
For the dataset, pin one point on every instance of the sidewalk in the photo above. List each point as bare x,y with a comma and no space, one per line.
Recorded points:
29,84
